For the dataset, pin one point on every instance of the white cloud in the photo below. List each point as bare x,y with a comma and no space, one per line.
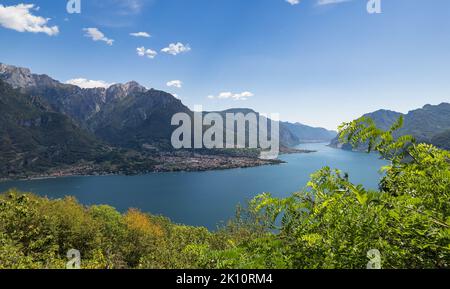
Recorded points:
177,48
20,18
97,35
175,95
229,95
141,34
293,2
141,51
175,83
86,83
328,2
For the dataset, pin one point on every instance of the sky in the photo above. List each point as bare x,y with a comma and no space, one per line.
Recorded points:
318,62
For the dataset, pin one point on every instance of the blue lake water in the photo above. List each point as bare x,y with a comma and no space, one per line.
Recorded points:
206,198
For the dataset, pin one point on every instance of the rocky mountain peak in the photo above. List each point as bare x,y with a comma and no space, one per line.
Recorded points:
17,77
20,77
119,91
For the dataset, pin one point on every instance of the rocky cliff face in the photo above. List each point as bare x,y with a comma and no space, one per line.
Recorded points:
120,91
78,103
139,119
17,77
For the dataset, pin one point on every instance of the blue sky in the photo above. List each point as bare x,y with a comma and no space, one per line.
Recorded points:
316,64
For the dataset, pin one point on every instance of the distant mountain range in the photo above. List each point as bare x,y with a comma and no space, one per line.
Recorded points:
306,134
430,124
292,134
46,123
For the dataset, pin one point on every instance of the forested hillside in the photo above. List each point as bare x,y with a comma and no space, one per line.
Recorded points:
34,137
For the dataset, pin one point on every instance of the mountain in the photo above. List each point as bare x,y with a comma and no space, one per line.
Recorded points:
430,124
427,122
125,115
442,140
383,119
78,103
292,134
128,115
33,137
138,120
307,134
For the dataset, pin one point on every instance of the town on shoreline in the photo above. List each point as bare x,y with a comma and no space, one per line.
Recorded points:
163,163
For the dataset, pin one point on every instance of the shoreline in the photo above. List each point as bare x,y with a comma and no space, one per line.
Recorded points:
193,164
100,174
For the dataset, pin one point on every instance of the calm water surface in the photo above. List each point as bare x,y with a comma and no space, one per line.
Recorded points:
205,198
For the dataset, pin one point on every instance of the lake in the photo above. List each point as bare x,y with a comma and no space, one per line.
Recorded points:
206,198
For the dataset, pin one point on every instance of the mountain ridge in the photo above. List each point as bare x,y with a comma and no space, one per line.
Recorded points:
96,109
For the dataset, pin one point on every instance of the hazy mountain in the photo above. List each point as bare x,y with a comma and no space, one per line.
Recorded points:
429,124
293,134
307,134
